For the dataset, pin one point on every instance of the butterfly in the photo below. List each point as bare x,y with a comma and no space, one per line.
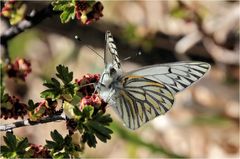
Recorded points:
141,95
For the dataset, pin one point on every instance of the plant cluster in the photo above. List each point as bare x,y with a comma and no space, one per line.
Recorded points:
83,108
74,101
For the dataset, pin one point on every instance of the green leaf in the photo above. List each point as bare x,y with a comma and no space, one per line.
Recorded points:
50,144
64,74
31,105
103,119
59,5
77,112
10,140
100,129
75,100
4,98
50,93
55,82
4,149
101,137
14,147
67,15
60,155
52,84
88,111
68,140
22,145
65,149
70,88
57,137
68,8
54,89
90,139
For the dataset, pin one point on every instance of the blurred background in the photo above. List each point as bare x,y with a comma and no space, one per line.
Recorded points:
204,121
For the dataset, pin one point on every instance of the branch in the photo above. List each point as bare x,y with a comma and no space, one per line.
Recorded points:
27,122
31,20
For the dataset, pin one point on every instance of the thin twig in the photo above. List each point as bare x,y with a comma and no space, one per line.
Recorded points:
7,127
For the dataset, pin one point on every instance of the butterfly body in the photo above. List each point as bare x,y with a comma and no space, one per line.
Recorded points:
108,83
141,95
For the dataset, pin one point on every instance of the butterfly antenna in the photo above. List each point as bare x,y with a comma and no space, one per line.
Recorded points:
129,57
77,38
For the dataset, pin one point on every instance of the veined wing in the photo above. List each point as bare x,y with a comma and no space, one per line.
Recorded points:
149,91
110,54
176,76
141,100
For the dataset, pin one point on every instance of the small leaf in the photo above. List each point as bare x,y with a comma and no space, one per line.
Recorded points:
67,15
90,139
104,119
88,111
10,140
75,100
101,137
68,140
64,74
4,149
51,93
50,144
23,144
31,105
55,82
60,155
57,137
4,98
98,128
59,5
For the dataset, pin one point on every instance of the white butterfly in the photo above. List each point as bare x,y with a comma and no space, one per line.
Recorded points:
141,95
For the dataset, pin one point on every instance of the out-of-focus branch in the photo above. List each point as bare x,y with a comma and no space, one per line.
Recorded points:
221,54
7,127
31,20
216,49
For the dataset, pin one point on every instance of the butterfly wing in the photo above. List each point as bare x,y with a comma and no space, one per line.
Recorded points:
110,54
141,100
149,91
176,76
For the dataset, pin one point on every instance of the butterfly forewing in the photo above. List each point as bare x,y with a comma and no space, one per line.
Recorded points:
176,76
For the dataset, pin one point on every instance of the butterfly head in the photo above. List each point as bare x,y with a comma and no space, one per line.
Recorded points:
109,75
